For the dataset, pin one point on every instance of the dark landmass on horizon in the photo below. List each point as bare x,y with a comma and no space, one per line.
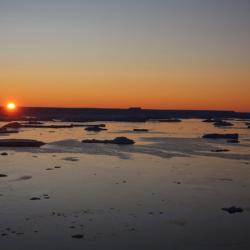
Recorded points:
108,114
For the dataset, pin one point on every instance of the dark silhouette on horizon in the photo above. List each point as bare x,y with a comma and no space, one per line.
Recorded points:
106,114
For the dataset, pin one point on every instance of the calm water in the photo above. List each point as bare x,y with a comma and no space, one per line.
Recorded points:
165,192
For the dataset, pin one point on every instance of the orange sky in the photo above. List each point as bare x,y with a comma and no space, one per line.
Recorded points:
81,86
159,55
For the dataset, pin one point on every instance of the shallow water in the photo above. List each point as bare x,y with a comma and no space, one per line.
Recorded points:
164,192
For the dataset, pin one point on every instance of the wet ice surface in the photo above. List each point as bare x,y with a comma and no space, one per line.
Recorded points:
164,192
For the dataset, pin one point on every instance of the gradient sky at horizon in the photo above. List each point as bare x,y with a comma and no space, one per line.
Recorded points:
173,54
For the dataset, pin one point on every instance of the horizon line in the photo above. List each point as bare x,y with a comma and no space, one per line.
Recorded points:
134,107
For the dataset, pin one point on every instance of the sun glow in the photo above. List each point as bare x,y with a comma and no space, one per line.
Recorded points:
11,106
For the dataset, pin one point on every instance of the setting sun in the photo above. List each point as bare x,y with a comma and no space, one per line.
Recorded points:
11,106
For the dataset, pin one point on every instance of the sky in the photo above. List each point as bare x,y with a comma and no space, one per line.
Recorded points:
166,54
